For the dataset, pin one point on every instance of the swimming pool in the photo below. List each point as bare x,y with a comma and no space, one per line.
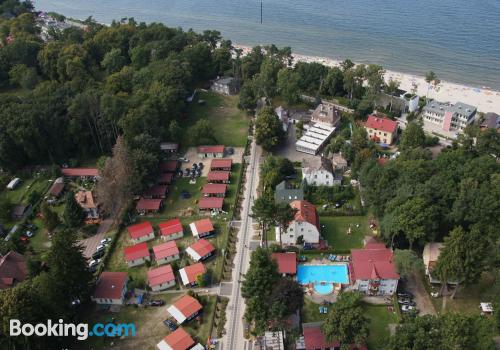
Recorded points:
322,273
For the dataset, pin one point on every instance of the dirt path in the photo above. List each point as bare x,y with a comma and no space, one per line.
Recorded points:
423,300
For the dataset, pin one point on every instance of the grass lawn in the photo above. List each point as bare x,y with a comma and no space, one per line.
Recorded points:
174,205
230,123
379,318
335,231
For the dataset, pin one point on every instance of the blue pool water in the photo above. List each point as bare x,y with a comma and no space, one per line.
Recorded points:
323,288
322,273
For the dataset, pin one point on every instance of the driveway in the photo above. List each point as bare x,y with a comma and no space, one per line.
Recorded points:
91,243
415,285
287,148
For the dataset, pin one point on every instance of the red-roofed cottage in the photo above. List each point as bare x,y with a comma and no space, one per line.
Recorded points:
141,232
171,229
214,190
305,224
165,179
111,288
211,203
200,250
166,252
211,151
145,205
287,263
314,339
169,166
382,130
161,278
137,254
13,269
202,228
221,177
177,340
185,309
373,271
221,164
189,274
156,192
80,172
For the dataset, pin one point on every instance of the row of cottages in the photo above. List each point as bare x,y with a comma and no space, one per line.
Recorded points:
179,340
372,270
319,171
170,230
381,130
304,227
216,151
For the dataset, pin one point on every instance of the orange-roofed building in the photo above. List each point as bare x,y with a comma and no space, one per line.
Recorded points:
141,232
200,250
189,274
177,340
287,263
305,225
202,228
185,309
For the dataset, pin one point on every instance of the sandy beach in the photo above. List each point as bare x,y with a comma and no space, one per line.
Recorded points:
484,98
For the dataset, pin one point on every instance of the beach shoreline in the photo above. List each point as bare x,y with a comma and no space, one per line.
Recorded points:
484,98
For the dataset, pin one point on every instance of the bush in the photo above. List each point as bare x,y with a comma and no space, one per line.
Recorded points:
431,141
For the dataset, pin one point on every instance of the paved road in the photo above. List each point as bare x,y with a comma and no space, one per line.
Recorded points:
91,243
234,335
424,303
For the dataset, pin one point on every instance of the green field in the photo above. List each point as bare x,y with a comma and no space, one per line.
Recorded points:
335,231
230,123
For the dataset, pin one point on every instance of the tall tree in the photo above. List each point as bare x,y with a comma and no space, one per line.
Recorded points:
391,88
288,85
268,129
346,321
73,212
429,78
50,218
263,210
413,136
407,262
283,215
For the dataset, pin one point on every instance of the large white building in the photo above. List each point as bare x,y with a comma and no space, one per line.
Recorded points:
319,171
449,117
305,225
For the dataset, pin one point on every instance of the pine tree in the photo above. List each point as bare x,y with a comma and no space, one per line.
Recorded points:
73,212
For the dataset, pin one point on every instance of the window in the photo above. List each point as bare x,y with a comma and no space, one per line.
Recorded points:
327,176
315,176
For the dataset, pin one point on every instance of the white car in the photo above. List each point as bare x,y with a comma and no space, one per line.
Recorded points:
406,308
94,262
100,247
105,241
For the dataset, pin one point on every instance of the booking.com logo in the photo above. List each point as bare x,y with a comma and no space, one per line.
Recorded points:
80,331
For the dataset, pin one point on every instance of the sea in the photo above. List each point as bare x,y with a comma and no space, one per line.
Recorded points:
457,39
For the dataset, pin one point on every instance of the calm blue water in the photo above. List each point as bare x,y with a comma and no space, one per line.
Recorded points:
458,39
322,273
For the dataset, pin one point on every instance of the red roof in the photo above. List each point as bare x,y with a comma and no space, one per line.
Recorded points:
306,212
382,124
165,250
156,191
202,247
287,262
80,172
374,261
165,178
56,188
13,268
214,189
110,285
169,166
221,163
315,339
136,251
211,203
179,340
203,225
148,204
193,271
218,176
188,305
140,230
170,227
160,275
211,149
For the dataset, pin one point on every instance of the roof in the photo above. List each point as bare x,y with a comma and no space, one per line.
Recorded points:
201,226
211,203
221,163
165,178
57,187
491,120
177,340
199,249
287,262
218,176
110,285
13,268
326,114
136,251
211,149
140,230
170,227
214,189
339,160
374,261
160,275
306,212
184,308
383,124
169,166
431,253
85,199
80,172
314,337
169,146
191,272
317,163
148,204
440,108
156,191
165,250
315,136
18,210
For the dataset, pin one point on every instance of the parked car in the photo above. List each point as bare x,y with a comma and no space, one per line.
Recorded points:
187,171
200,165
183,160
100,247
32,227
94,262
406,308
229,150
171,325
29,234
106,241
155,303
434,294
93,268
405,295
99,254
